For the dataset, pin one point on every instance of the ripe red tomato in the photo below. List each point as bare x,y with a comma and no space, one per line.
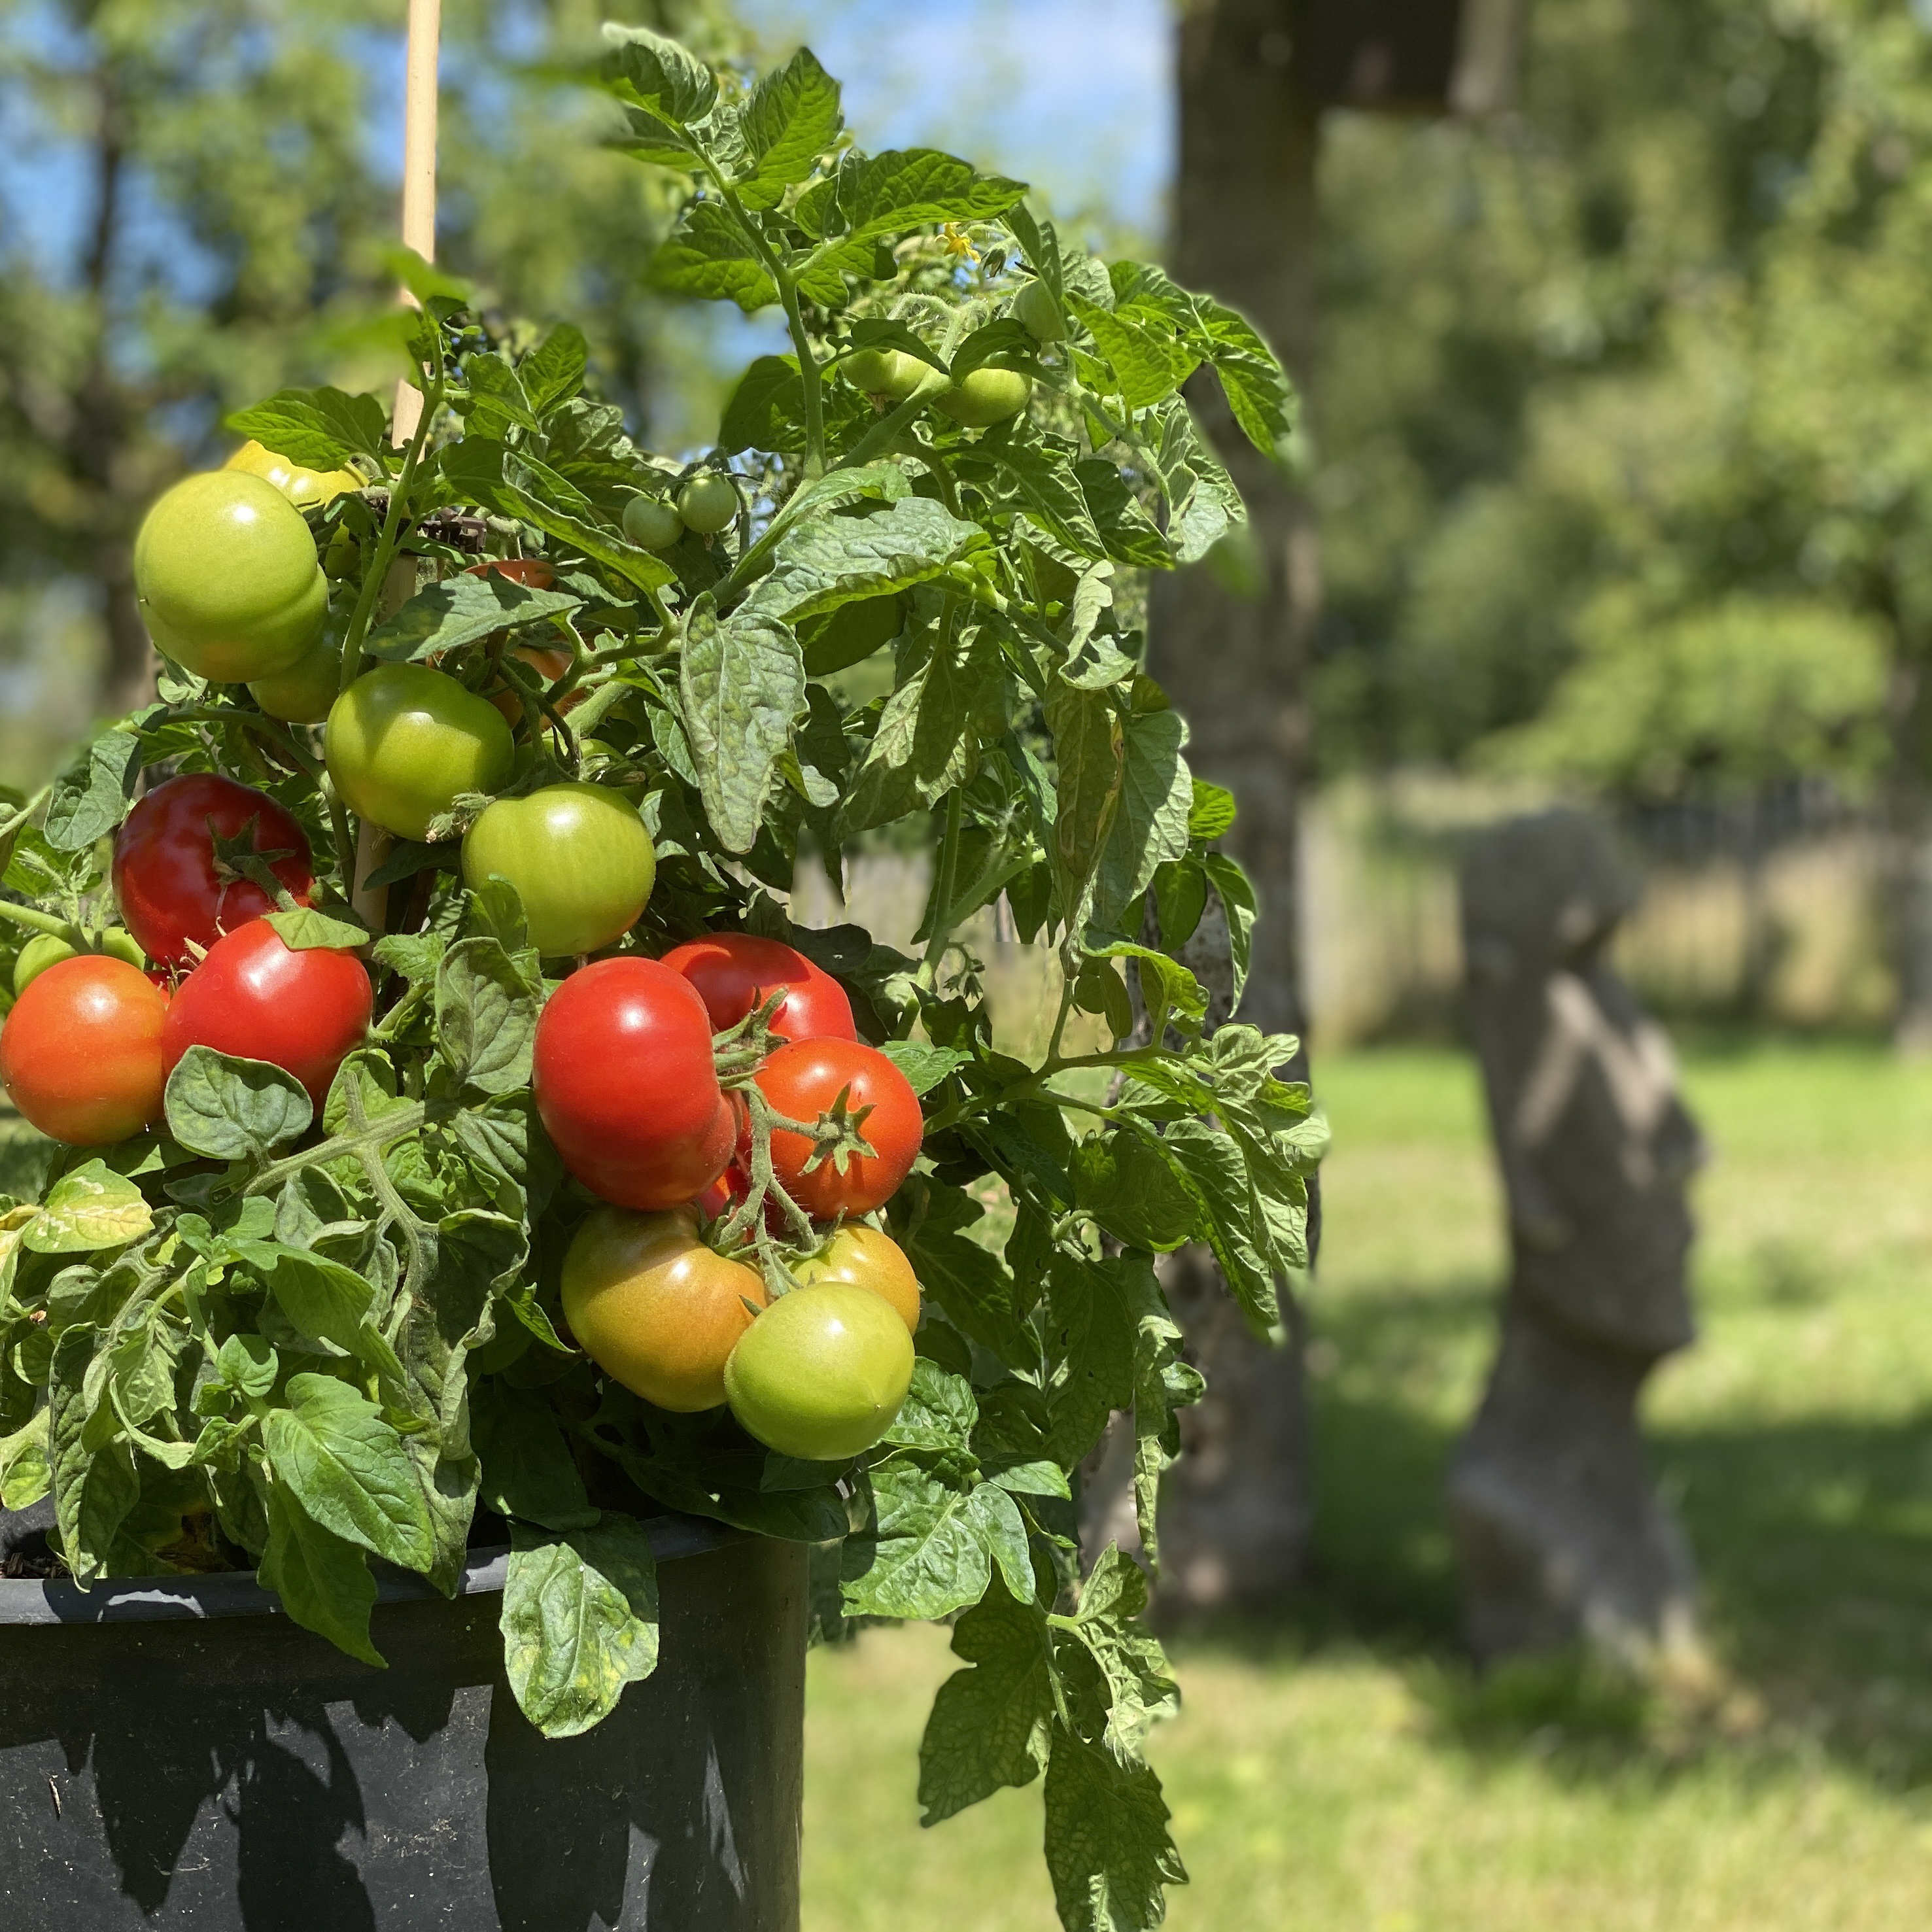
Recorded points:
655,1308
257,999
626,1086
167,883
735,972
802,1080
81,1054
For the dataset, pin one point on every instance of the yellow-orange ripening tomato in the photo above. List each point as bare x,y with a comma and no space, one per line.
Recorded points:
227,577
655,1308
81,1053
863,1257
303,487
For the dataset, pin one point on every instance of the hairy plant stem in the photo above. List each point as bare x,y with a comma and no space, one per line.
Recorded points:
387,544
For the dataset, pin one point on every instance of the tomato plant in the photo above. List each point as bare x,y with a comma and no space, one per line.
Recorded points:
736,972
302,487
407,1139
81,1053
176,857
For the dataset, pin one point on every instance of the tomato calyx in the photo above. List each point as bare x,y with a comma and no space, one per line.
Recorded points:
236,859
758,1211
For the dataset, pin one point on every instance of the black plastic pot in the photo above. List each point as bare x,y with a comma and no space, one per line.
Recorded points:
175,1751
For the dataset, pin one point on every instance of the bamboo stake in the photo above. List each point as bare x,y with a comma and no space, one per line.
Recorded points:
419,101
419,104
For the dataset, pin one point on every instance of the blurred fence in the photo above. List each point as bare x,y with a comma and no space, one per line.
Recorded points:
1763,909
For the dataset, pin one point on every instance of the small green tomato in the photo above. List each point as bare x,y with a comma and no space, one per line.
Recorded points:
652,524
708,503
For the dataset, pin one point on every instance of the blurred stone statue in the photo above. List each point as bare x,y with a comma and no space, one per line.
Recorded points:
1558,1530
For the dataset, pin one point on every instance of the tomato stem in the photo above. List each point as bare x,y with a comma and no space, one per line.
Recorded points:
386,545
45,922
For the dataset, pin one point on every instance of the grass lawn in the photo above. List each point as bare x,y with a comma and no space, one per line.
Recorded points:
1341,1771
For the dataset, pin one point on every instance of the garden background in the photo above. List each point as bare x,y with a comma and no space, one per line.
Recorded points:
1615,437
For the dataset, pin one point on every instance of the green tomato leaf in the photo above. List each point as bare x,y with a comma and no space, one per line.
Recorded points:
657,74
1150,826
1090,752
1237,896
767,410
952,701
231,1109
1091,1344
925,1067
824,561
1127,1181
939,1412
742,684
305,929
1219,1177
325,1299
792,117
462,610
486,1016
1107,1844
349,1470
91,1207
969,1282
25,1476
887,193
991,1724
553,371
91,797
323,1581
318,428
925,1554
528,1473
580,1622
710,256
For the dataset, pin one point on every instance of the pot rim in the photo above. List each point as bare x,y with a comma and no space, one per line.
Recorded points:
235,1593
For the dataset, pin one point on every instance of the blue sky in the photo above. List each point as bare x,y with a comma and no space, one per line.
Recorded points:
1071,95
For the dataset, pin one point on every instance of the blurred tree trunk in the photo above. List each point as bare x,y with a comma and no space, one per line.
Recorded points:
1907,875
1235,1514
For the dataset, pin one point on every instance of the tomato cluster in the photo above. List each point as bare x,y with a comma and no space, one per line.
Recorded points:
717,1101
627,1087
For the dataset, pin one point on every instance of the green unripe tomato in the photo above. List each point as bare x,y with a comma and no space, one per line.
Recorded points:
890,372
403,743
821,1373
226,574
303,693
708,503
987,395
579,857
1039,313
338,561
48,949
652,525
